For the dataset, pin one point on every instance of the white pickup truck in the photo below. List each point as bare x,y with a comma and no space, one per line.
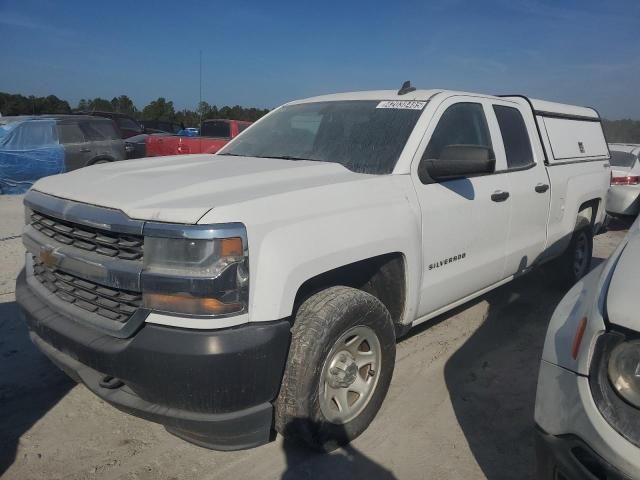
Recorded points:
263,288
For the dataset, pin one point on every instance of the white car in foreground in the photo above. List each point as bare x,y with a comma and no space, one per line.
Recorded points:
588,402
624,194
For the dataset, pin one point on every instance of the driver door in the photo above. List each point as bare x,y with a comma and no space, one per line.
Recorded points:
465,219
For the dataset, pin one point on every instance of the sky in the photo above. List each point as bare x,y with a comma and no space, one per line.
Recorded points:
263,54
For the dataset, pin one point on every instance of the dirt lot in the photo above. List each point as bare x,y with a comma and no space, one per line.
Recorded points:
460,405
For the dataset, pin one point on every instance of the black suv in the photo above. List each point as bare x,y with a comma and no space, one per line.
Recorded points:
128,126
88,140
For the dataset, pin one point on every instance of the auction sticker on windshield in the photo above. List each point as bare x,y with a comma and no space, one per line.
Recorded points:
402,104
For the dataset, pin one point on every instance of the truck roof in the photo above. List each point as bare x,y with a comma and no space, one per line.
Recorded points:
541,106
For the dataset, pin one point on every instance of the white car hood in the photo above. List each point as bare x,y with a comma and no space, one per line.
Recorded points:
622,308
183,188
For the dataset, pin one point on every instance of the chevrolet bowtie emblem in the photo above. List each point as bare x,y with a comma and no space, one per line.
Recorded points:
48,257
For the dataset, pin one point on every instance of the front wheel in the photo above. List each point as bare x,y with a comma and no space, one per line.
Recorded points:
339,368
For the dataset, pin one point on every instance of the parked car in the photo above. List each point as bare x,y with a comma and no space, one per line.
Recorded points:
264,287
214,134
135,146
624,193
127,125
38,146
160,126
588,403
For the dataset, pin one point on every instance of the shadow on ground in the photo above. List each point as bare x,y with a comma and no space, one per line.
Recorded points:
30,385
492,377
346,463
617,224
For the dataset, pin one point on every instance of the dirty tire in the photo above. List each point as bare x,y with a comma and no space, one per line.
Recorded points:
582,240
321,320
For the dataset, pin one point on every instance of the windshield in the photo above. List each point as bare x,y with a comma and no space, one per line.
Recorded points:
622,159
28,135
7,125
364,136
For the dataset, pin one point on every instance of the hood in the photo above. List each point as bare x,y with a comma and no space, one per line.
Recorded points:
622,308
181,189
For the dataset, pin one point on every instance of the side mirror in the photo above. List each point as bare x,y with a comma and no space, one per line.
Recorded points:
457,161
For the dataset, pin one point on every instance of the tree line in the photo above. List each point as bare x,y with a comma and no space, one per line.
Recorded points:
159,109
624,131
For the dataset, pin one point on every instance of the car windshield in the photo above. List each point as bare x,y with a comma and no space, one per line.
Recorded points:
25,135
364,136
622,159
7,125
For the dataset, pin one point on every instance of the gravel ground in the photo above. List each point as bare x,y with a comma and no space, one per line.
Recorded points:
460,404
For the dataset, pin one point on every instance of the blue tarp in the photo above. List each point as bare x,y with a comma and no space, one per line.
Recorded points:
29,150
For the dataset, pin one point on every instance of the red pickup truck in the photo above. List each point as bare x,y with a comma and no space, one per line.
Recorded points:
214,134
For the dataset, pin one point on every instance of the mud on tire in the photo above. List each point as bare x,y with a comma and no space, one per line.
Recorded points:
321,321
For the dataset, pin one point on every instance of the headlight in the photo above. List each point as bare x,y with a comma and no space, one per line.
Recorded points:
196,276
624,371
129,147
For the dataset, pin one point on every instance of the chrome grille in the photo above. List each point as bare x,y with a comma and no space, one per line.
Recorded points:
104,242
110,303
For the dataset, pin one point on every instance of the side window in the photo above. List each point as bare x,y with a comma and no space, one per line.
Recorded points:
461,126
242,127
70,133
128,124
218,129
98,130
517,145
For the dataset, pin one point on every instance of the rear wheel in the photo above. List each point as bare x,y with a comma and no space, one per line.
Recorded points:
576,261
339,368
99,161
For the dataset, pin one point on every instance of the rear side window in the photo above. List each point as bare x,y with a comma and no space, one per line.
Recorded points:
517,145
461,124
70,133
216,129
622,159
97,130
127,124
242,127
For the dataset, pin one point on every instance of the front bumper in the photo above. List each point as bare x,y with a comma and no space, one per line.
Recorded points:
567,457
213,388
566,412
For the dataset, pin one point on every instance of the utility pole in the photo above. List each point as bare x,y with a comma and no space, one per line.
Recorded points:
200,101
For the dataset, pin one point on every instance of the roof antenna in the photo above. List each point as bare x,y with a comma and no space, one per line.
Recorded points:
406,88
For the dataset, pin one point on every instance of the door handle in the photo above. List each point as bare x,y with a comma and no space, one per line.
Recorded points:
541,187
85,150
499,196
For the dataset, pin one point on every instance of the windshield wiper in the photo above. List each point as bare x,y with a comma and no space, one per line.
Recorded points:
288,157
278,157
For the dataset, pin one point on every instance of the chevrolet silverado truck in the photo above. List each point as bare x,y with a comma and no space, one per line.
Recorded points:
214,134
263,289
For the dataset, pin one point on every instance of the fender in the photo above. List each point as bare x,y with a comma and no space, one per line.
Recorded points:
333,226
569,193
